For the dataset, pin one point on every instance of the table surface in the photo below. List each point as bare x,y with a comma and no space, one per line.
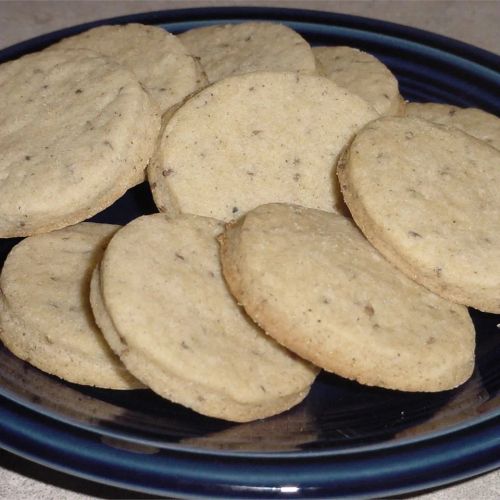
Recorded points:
475,22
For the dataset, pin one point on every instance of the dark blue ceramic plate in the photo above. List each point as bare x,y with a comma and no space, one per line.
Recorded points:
344,439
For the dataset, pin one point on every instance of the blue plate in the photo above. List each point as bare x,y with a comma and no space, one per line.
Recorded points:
344,439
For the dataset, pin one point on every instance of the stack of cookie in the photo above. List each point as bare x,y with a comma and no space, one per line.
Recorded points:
253,276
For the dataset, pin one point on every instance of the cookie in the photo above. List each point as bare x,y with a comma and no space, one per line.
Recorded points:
313,282
158,59
77,130
233,49
363,75
473,121
164,308
253,139
427,198
45,314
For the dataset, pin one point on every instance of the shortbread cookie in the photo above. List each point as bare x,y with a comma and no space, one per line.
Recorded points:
473,121
363,75
45,314
253,139
314,283
164,308
158,59
427,197
233,49
76,131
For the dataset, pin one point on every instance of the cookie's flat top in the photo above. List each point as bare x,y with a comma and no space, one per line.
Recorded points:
253,139
45,315
363,75
180,331
76,131
314,283
233,49
473,121
158,59
427,197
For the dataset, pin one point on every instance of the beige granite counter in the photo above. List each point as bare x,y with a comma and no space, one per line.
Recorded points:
476,22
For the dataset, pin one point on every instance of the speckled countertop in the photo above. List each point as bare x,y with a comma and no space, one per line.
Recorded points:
476,22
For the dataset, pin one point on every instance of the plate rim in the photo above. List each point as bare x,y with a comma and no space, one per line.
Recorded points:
243,477
476,54
488,418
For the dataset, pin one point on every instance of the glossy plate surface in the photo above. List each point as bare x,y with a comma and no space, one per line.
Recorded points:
344,439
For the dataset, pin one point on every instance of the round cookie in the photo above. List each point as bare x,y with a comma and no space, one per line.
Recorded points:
77,130
164,308
45,314
233,49
158,59
314,283
253,139
473,121
427,198
363,75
